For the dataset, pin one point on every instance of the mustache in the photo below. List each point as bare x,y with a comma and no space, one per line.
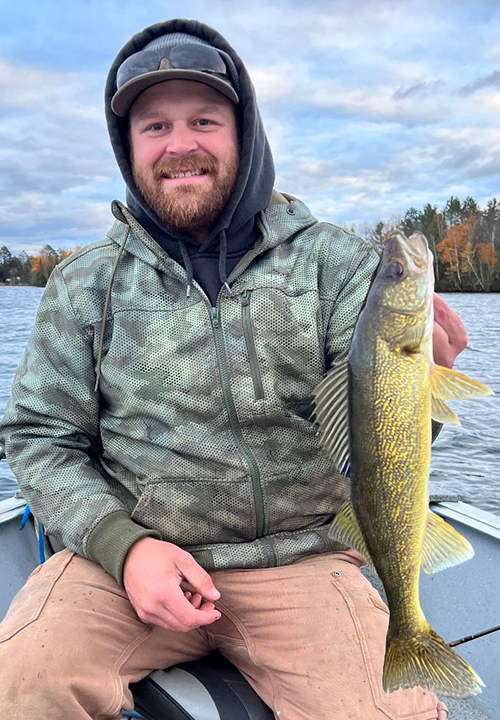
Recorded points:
189,163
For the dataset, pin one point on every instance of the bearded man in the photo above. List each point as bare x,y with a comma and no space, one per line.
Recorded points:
159,424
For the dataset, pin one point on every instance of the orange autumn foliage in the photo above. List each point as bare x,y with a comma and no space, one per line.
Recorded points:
487,254
456,250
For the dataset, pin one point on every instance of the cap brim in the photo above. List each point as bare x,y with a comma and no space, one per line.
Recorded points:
125,96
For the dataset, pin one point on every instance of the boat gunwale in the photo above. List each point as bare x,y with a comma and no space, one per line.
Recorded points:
453,509
11,507
482,520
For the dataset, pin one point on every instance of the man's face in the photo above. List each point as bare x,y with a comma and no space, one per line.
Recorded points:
182,126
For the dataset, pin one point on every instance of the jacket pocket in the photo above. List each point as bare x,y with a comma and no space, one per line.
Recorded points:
250,344
197,512
29,602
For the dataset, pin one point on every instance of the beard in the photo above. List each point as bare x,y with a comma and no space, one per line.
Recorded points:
188,207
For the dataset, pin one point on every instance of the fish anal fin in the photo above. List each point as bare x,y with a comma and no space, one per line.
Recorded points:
442,413
345,529
448,384
443,546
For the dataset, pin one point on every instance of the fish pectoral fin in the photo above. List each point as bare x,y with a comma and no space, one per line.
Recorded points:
442,413
412,337
331,413
447,384
345,529
443,546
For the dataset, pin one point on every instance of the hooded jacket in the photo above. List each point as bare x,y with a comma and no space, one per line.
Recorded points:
139,410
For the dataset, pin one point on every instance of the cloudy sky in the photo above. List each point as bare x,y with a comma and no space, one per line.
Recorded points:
371,106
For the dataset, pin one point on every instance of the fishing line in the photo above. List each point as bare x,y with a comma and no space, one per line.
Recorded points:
468,638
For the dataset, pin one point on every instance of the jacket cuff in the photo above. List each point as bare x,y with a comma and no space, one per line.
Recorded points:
110,541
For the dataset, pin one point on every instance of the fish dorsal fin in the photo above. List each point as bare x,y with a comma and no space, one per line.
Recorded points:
331,413
345,529
443,546
447,384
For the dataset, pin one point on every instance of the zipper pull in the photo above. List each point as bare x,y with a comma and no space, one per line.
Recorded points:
215,317
245,298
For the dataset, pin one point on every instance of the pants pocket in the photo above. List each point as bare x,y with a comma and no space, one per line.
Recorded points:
370,618
32,597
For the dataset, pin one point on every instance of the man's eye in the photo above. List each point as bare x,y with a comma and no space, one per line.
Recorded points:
204,122
156,126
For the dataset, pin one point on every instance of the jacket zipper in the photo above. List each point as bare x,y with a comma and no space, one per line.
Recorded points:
238,435
250,343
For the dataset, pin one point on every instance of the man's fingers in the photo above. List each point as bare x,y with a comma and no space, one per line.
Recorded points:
451,323
449,334
196,600
187,615
197,578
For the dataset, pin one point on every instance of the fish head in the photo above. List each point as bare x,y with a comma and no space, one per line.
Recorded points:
402,289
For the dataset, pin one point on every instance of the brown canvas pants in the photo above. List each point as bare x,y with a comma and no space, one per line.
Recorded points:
309,638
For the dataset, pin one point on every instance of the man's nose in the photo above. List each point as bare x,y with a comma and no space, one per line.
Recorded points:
181,140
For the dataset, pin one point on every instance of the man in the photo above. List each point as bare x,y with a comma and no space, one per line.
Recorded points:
159,422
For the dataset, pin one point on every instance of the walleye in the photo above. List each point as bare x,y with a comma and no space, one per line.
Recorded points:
374,413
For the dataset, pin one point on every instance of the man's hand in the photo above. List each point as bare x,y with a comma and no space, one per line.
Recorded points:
449,336
167,587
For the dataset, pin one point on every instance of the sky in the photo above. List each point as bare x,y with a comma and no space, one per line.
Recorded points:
370,106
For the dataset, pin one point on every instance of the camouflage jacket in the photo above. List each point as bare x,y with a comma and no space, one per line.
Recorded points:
199,432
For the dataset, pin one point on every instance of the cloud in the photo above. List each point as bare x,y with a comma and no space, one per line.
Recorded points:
56,163
369,107
418,90
490,80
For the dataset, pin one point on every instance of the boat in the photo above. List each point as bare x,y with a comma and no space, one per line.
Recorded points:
458,602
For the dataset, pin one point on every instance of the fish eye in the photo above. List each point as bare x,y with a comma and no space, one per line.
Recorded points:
393,270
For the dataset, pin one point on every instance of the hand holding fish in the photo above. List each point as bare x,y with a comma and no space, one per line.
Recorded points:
449,336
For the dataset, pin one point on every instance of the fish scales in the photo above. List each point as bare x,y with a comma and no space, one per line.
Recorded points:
386,446
391,389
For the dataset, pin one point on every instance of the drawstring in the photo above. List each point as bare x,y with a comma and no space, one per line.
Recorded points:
222,261
222,264
105,313
187,264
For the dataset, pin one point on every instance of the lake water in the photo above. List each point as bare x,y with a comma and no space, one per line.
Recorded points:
466,459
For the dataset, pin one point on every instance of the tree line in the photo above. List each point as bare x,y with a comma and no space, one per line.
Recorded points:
24,269
464,239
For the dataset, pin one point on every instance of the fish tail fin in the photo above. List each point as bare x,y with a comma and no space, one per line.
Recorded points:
425,659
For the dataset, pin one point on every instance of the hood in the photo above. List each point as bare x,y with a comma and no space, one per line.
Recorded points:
254,185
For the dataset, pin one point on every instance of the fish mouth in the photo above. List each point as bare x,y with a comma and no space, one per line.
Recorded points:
414,251
407,266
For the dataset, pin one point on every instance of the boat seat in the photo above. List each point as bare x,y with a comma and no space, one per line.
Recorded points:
207,689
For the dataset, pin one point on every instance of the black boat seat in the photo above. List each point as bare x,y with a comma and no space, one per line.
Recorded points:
207,689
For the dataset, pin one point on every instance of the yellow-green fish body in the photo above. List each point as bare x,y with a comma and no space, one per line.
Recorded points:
375,413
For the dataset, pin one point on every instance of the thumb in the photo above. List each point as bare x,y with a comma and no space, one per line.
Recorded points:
198,578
